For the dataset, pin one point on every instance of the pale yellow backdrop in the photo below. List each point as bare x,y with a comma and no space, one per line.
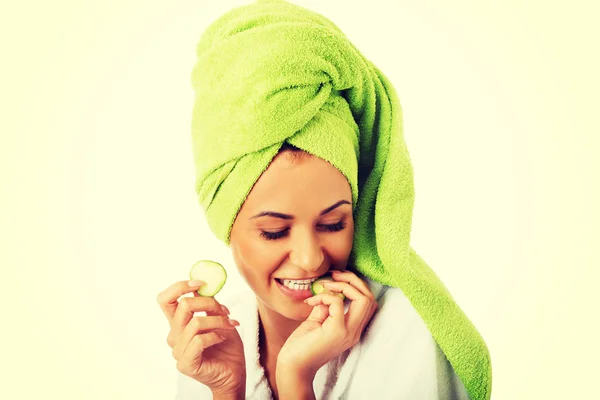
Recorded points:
98,213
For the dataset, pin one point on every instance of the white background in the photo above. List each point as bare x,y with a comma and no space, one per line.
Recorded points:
98,215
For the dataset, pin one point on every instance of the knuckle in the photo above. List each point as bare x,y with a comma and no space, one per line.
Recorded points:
171,341
196,323
347,342
342,336
181,368
198,341
350,341
184,303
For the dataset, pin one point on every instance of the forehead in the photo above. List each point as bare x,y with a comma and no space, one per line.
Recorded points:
307,183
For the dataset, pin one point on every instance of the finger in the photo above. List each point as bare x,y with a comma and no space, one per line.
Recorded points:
360,308
190,361
351,278
189,305
200,325
335,307
319,313
209,312
344,288
167,299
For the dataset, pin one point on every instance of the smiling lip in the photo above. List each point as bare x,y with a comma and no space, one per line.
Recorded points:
298,279
294,294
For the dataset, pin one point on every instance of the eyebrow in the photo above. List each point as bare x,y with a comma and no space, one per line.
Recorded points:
287,216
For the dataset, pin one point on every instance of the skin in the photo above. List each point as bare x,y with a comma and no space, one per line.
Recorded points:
303,189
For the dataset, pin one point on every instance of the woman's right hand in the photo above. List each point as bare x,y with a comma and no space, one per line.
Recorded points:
207,348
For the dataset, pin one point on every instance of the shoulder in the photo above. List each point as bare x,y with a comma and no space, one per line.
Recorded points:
396,324
399,343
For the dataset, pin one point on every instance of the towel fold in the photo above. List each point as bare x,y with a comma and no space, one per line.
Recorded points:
274,72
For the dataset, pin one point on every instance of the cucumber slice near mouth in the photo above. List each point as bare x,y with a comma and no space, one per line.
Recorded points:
210,272
317,286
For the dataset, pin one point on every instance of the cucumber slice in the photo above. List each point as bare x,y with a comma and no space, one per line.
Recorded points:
210,272
317,286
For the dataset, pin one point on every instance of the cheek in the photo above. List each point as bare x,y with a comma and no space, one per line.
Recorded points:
347,241
340,246
257,259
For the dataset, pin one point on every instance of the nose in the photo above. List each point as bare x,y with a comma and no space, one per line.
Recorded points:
306,252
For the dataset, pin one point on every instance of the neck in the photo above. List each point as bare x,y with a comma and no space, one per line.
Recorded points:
274,330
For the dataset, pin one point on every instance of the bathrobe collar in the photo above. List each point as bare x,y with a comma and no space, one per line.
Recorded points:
338,370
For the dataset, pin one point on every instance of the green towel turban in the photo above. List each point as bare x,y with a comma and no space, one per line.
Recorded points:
273,72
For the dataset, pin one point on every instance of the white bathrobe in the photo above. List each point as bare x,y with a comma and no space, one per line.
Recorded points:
397,358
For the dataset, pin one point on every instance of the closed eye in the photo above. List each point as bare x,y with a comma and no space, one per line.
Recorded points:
333,227
338,226
274,235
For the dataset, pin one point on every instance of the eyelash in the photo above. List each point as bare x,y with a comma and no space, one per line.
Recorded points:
278,235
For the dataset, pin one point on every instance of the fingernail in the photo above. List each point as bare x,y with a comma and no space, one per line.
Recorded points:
225,309
233,322
195,283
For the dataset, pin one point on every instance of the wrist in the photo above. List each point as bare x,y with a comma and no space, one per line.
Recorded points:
293,383
237,395
291,372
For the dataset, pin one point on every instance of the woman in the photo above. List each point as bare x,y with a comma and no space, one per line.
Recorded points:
302,170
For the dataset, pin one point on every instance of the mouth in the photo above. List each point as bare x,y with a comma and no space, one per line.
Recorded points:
281,280
311,279
301,292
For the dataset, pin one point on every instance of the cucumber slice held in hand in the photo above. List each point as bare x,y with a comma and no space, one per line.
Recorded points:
317,286
210,272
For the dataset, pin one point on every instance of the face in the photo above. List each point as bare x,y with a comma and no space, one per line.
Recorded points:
296,223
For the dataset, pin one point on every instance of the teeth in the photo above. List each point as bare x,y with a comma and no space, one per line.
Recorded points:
300,282
298,285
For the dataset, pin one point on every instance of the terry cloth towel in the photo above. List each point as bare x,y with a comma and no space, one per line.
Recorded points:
272,72
396,357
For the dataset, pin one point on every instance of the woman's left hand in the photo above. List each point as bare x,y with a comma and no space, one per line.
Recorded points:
328,331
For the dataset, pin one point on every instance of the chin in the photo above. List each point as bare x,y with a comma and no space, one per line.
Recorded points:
296,315
296,311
